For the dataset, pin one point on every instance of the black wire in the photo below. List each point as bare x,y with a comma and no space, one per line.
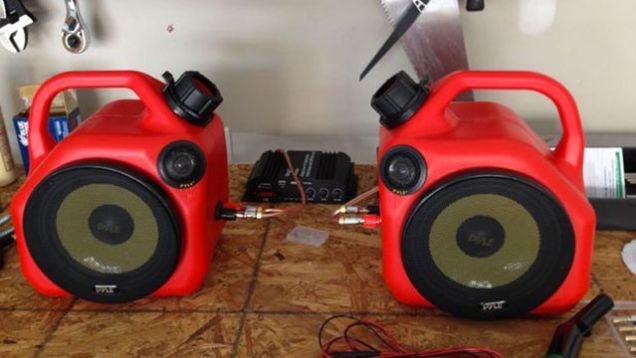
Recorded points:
5,242
345,336
359,341
326,322
373,329
6,237
382,336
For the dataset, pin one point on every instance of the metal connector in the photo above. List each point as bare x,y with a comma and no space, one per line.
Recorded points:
368,221
5,219
625,319
250,212
350,210
627,329
350,220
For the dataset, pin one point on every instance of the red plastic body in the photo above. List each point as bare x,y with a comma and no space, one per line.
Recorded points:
455,137
130,133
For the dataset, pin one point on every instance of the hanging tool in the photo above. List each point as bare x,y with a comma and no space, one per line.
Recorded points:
75,35
435,48
14,18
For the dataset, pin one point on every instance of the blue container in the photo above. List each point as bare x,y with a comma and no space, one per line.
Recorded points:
59,126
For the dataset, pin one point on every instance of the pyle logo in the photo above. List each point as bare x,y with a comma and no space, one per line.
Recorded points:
108,228
105,289
492,306
480,238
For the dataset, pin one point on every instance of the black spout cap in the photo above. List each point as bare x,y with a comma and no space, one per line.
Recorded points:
475,5
399,99
192,97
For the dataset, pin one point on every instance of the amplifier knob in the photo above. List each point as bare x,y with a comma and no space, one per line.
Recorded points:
323,194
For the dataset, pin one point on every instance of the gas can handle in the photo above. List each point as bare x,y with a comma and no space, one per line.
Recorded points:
40,141
570,149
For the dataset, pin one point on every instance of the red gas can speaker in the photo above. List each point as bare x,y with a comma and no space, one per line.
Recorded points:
479,217
124,206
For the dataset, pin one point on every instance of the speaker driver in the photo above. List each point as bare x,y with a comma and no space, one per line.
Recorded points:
102,233
403,170
488,246
181,164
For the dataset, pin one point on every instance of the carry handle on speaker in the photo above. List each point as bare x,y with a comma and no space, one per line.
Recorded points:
570,149
145,87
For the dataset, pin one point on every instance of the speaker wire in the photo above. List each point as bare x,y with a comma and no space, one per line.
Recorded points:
384,343
234,211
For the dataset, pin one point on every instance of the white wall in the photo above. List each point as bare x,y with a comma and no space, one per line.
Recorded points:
290,67
590,46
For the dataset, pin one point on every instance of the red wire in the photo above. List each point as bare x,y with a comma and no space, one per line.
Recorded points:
270,213
299,184
348,344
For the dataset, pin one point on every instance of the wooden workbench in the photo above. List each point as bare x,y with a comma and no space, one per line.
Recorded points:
267,297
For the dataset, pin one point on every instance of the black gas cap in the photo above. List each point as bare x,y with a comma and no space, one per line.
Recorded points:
398,99
192,97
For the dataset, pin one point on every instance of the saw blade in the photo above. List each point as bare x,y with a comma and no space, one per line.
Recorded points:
435,42
405,22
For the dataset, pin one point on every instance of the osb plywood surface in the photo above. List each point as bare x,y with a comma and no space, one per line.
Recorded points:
266,297
513,338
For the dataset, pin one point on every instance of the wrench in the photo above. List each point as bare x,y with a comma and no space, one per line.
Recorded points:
75,35
14,18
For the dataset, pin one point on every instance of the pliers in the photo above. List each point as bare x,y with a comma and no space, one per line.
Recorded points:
14,18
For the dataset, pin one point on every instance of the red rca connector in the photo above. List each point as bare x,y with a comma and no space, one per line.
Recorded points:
369,221
372,221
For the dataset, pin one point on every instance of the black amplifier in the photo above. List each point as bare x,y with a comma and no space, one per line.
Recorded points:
326,178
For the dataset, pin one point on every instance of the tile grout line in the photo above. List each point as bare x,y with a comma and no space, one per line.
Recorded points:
49,335
250,291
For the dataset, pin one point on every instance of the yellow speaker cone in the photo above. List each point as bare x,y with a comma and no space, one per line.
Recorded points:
484,241
107,228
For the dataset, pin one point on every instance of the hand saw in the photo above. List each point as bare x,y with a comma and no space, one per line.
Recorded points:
431,32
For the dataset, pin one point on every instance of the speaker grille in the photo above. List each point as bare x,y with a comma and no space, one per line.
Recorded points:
90,227
488,246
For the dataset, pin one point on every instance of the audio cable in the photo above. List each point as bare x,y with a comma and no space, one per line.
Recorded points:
348,345
353,214
6,237
234,211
